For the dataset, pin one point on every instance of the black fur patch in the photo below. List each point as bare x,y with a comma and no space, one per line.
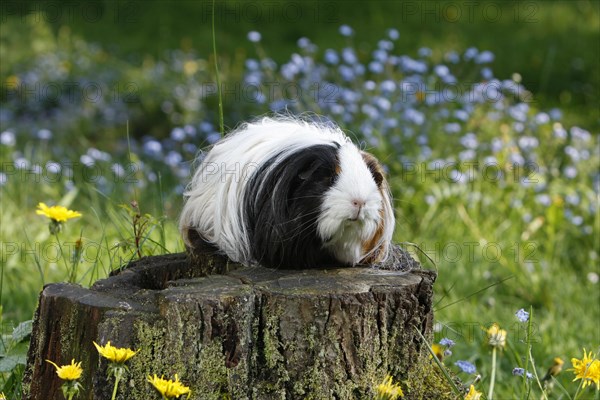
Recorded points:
282,204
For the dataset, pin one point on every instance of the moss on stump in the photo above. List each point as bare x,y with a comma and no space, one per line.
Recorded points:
248,333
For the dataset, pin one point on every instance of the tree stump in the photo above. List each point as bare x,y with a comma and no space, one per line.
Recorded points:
249,333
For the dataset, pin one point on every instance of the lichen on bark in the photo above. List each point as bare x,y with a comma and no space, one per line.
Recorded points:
251,333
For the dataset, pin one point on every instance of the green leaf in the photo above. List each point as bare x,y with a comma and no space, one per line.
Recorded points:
22,331
16,355
10,362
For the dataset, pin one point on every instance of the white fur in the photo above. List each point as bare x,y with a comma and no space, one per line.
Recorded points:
343,235
215,196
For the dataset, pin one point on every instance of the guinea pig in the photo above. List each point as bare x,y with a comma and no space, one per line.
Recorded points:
288,193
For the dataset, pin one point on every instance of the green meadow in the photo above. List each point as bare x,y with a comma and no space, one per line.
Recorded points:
485,115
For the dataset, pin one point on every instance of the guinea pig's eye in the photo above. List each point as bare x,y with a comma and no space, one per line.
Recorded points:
309,171
329,180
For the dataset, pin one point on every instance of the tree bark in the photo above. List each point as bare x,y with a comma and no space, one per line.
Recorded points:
248,333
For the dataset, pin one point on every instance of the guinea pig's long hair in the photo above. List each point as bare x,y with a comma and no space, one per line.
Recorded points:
288,193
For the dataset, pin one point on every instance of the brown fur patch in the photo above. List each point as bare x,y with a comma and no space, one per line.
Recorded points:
338,168
370,247
374,167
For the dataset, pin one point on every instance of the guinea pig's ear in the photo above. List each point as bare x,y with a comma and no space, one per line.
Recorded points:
374,168
306,173
378,177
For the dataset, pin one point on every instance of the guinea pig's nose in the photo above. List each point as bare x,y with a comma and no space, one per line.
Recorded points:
358,203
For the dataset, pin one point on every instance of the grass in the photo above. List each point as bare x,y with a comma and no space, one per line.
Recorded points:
528,239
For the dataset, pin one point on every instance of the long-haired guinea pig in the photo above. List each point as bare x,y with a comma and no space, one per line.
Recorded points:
286,193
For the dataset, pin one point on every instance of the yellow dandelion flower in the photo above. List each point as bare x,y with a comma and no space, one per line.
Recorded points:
587,369
558,361
168,388
69,372
12,82
438,350
473,394
388,390
496,336
555,369
190,67
115,354
593,374
57,213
